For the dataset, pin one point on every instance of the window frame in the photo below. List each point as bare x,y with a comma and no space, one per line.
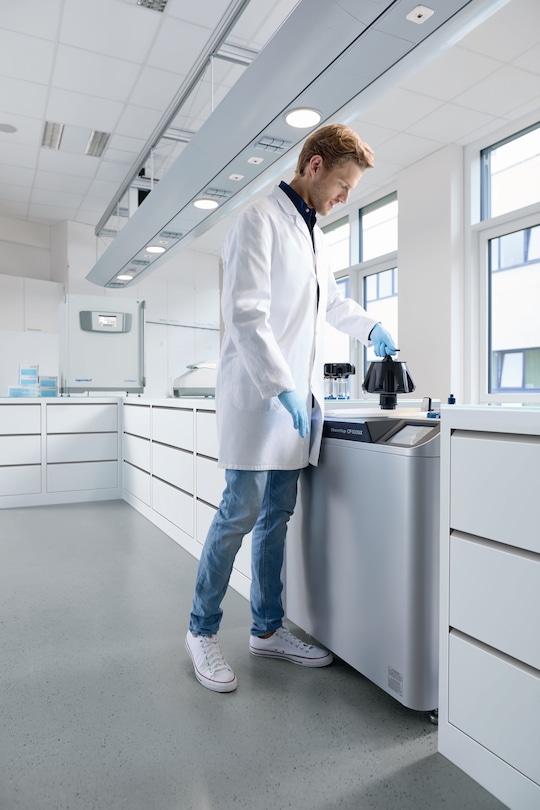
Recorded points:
471,351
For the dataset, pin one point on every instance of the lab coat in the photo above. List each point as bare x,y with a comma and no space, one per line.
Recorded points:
277,294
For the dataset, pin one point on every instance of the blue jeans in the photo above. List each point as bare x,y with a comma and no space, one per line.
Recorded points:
262,501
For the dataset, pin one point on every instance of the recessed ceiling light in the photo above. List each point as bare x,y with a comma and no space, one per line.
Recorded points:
124,277
52,135
8,128
97,143
255,160
302,118
236,177
206,204
155,249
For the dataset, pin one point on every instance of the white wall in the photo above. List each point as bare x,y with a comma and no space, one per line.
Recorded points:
430,262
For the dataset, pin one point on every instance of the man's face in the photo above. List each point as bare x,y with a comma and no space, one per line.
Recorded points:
327,188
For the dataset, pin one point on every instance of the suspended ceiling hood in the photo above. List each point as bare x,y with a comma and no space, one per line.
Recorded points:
327,53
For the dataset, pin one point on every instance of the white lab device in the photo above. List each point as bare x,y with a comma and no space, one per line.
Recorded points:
101,344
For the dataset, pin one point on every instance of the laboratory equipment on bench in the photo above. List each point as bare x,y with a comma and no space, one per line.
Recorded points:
198,381
388,378
101,342
361,569
336,380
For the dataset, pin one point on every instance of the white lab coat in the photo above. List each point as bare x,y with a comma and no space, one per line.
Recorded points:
274,333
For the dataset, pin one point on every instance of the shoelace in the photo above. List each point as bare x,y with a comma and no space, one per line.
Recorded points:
287,637
213,654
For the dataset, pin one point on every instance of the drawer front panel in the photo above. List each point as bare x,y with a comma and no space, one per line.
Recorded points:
174,466
20,450
174,505
87,475
210,481
494,488
20,480
82,447
137,420
497,703
137,451
173,426
20,419
75,418
137,482
495,597
207,440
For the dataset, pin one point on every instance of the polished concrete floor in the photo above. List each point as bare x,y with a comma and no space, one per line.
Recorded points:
100,710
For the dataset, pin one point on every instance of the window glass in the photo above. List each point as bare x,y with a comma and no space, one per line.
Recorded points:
337,237
336,343
379,228
511,173
381,302
514,304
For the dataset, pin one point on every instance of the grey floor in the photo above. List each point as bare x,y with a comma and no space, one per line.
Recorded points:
100,709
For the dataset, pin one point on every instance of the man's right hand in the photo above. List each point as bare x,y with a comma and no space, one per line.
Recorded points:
296,406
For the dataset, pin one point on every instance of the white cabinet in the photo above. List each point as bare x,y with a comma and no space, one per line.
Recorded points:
489,703
20,450
41,300
53,451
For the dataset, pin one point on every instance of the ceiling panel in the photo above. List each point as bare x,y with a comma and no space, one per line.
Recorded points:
22,97
94,74
501,92
25,57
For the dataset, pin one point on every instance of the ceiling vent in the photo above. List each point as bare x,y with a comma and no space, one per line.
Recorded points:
269,144
144,262
171,234
156,5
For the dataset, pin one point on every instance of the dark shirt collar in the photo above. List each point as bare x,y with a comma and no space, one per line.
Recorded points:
308,214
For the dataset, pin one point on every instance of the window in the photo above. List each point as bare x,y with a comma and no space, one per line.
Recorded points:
514,304
381,302
336,343
511,173
338,241
509,268
378,228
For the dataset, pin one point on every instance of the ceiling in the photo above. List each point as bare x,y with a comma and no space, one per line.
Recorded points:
120,68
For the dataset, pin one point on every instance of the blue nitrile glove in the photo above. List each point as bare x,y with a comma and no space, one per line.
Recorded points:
296,406
382,340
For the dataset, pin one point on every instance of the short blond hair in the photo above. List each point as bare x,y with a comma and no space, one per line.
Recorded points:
336,144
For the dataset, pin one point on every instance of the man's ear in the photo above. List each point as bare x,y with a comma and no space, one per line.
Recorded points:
315,164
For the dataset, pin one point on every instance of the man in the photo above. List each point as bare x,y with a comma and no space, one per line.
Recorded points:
277,294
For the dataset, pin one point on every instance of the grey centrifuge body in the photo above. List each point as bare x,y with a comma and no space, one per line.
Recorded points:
361,571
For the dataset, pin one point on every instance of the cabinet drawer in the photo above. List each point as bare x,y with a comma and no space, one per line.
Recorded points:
137,420
210,481
173,504
20,450
207,440
20,480
495,702
173,426
137,482
87,475
172,465
494,487
82,447
494,597
137,451
75,418
20,419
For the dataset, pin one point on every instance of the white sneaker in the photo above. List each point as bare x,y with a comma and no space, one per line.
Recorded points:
211,669
282,644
